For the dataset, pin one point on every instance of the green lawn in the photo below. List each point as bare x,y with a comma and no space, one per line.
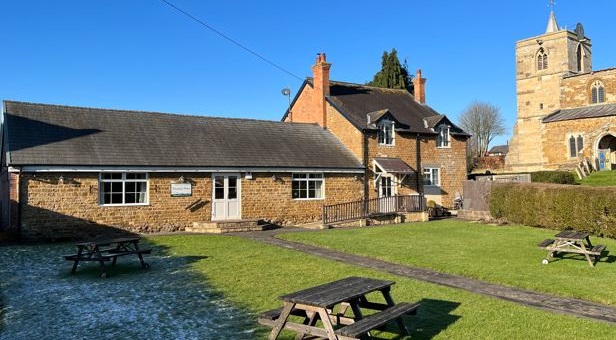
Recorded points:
600,178
252,275
506,255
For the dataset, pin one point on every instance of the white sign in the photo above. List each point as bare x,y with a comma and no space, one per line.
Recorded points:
181,189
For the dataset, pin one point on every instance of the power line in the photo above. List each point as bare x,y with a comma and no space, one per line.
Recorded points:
230,39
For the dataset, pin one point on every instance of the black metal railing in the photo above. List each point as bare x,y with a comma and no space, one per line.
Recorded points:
356,210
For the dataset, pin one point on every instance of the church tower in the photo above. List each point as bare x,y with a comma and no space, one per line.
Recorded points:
541,64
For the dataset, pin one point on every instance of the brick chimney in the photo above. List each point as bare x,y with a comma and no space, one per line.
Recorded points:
320,72
419,84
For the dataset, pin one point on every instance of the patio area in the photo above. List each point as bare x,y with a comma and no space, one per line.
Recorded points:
41,299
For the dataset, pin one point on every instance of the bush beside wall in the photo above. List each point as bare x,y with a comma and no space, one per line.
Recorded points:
554,206
558,177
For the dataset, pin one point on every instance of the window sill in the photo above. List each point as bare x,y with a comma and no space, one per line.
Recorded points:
307,199
443,147
387,145
125,205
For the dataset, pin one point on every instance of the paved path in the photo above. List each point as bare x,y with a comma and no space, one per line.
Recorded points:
543,301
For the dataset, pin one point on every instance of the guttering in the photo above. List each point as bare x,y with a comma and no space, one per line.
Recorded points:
41,168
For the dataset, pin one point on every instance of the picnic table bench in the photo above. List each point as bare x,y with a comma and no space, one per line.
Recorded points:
570,241
105,250
330,303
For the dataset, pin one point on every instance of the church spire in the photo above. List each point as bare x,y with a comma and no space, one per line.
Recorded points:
552,24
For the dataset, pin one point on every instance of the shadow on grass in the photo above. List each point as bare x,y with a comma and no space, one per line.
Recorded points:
433,316
39,298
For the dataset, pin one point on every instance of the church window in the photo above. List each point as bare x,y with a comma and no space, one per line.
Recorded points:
575,145
597,92
542,60
579,58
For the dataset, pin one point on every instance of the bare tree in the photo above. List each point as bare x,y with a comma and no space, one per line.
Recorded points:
484,122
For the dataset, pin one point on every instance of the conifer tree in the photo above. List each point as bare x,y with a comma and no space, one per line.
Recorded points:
393,75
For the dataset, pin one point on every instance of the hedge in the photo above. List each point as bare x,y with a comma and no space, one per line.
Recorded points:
591,209
558,177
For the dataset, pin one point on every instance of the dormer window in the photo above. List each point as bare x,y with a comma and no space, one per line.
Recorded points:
542,60
442,139
386,132
597,92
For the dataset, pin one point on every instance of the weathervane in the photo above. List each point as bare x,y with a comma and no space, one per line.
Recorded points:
552,3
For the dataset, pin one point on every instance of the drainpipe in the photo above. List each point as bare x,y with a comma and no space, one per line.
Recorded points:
418,162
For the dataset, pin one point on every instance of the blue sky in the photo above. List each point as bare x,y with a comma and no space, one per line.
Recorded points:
143,55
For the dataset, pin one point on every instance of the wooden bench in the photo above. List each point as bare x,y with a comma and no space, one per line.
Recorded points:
268,318
545,243
377,320
597,250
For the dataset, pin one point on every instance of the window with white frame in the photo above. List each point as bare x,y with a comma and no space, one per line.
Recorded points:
307,186
386,132
123,188
442,139
431,176
576,144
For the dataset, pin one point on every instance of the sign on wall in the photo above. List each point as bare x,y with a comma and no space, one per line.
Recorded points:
181,189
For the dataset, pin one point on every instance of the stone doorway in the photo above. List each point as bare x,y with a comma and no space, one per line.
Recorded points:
606,150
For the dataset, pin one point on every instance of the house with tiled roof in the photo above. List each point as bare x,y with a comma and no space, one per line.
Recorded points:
405,146
77,171
566,110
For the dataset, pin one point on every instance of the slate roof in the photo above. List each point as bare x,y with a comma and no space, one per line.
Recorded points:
592,111
356,102
394,165
40,134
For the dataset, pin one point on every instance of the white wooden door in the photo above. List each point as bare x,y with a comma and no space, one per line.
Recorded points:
226,204
386,191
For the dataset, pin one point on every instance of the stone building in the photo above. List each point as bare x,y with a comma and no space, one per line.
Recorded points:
405,145
78,171
566,110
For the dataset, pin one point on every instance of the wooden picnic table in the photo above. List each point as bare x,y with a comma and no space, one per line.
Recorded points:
104,250
570,241
320,302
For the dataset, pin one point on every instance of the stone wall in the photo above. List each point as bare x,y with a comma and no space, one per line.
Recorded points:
451,161
453,167
50,207
556,139
576,90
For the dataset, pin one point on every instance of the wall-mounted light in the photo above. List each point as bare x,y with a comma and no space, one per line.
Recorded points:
61,180
181,179
275,178
248,175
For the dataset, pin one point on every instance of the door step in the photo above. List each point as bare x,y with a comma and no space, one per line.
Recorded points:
227,226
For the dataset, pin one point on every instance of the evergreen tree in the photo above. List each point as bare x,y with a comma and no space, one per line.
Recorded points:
393,75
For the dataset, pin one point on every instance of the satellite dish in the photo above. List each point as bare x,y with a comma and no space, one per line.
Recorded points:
579,31
286,91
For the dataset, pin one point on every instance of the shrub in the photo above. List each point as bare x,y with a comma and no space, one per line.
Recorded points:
591,209
558,177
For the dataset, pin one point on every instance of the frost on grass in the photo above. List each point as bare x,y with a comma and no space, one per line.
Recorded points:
39,299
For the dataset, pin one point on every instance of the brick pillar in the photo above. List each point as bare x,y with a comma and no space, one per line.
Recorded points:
419,84
320,73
